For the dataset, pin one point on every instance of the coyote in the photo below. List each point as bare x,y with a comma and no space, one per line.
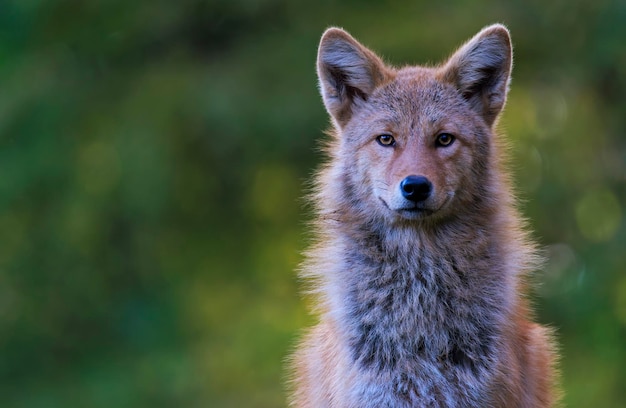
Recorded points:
420,258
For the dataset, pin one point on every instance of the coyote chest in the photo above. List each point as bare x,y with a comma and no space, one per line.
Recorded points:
426,310
416,324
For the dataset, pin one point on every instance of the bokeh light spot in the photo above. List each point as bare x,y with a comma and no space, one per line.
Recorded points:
598,215
275,193
99,167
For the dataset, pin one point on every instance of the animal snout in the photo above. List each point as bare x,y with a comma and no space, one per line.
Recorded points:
416,188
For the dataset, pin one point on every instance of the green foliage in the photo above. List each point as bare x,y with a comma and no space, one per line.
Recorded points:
153,156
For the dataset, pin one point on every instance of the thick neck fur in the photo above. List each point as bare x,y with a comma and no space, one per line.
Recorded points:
411,293
429,297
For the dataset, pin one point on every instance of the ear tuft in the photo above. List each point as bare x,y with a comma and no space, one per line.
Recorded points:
481,71
348,73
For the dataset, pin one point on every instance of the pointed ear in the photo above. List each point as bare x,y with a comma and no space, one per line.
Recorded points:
481,71
348,73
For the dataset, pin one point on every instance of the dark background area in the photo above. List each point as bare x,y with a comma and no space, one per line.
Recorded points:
153,156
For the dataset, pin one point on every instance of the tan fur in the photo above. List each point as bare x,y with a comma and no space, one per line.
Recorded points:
421,302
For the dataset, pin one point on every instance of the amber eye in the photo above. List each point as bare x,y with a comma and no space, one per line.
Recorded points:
385,140
445,139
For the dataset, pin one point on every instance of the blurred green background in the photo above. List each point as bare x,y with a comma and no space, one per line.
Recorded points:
153,156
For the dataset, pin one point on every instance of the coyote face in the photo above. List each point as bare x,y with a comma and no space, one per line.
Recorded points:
415,142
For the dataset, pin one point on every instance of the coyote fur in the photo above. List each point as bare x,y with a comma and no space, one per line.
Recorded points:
420,261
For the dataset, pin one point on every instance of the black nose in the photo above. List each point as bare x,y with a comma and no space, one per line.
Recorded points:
416,188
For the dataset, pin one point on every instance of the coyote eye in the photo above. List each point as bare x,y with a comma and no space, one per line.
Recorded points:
385,140
445,139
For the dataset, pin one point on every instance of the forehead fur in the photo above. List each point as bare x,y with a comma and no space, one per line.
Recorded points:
415,97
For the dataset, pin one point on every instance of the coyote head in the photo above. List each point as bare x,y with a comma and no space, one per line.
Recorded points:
414,143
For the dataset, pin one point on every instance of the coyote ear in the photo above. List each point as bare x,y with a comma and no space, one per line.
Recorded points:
348,73
481,70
